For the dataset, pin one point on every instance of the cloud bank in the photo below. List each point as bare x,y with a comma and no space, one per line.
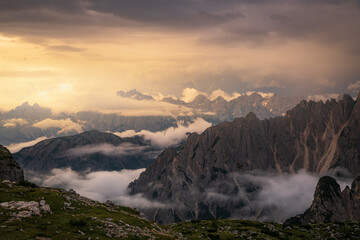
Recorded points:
16,147
271,197
170,136
354,86
323,97
13,122
65,125
100,186
107,149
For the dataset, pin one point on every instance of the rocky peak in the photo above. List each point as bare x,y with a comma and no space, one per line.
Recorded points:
331,204
29,113
201,99
327,189
9,168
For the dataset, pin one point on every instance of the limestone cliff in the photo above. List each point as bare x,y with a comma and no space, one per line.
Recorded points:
314,136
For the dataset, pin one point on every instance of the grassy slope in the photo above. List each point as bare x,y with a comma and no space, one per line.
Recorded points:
91,219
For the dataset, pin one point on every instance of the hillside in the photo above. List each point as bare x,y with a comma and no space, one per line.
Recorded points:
67,215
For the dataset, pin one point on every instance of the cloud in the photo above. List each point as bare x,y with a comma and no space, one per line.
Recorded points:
323,97
107,149
262,94
273,197
283,196
13,122
354,86
170,45
220,93
189,94
16,147
170,136
65,125
100,186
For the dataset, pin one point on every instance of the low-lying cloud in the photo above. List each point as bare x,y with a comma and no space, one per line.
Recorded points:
281,196
270,197
354,86
107,149
170,136
323,97
100,186
65,125
15,147
13,122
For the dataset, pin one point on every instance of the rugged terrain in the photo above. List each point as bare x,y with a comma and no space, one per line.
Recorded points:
70,216
263,107
28,122
314,136
9,168
331,204
91,151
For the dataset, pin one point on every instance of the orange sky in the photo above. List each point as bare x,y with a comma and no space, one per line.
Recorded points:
77,54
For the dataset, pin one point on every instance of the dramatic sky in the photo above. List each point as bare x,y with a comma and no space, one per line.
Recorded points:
77,53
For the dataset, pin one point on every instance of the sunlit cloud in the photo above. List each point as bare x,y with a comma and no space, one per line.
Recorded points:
16,147
171,136
65,125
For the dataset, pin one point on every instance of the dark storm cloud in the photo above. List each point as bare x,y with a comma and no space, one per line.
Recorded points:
18,6
178,13
236,20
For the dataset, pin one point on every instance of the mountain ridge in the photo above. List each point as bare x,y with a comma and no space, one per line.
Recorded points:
314,136
90,150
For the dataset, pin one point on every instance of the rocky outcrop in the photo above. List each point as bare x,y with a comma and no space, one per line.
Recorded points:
23,209
92,150
314,136
9,168
331,204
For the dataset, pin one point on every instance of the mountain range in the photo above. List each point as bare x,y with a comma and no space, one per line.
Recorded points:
262,106
56,213
314,136
87,151
29,122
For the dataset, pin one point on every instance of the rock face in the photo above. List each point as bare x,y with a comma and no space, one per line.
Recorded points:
330,204
314,136
9,169
92,150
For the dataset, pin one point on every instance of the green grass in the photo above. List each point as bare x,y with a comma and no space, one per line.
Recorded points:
91,219
88,219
